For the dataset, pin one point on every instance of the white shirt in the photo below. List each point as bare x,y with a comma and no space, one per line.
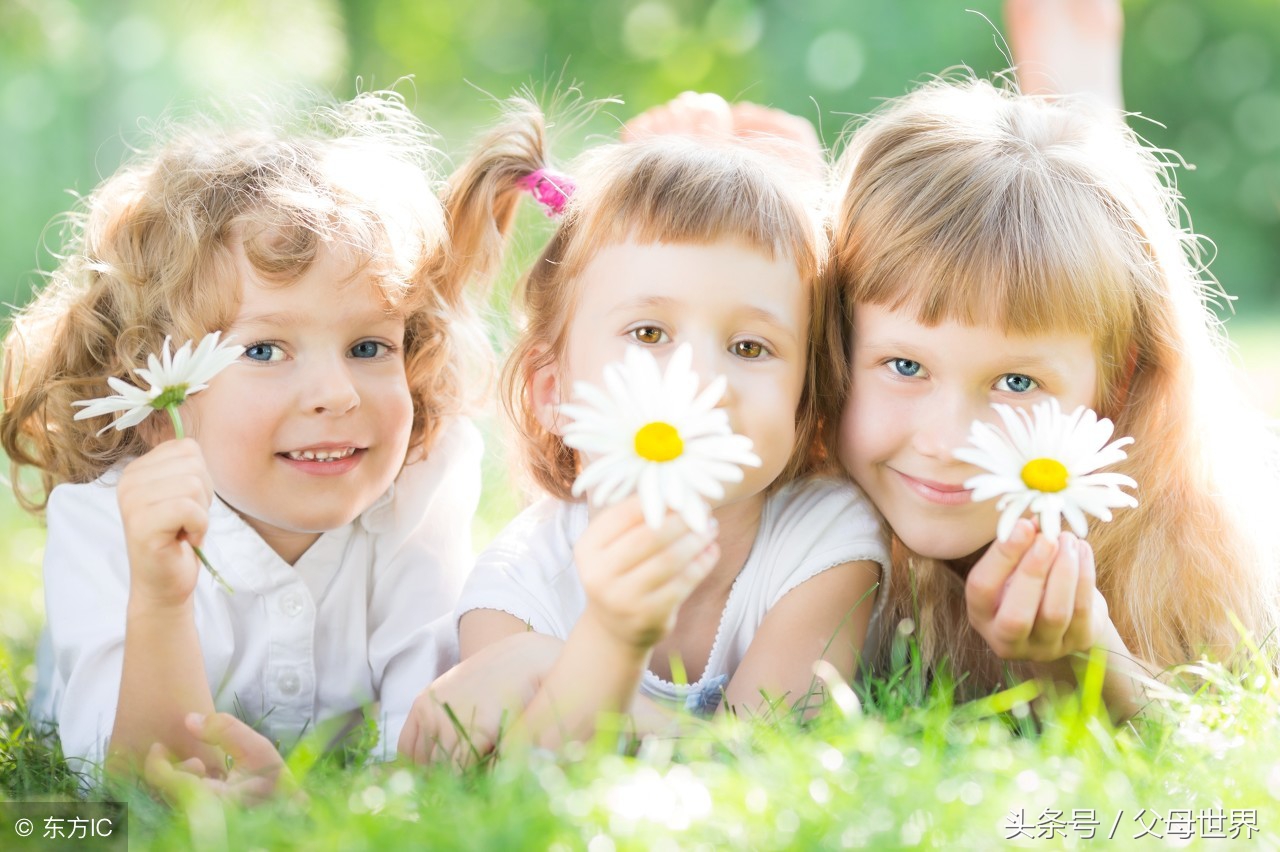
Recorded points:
805,528
350,623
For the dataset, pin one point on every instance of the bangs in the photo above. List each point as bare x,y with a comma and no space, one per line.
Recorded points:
672,190
1022,249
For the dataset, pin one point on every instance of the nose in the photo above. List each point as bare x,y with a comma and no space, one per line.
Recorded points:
709,361
944,426
327,386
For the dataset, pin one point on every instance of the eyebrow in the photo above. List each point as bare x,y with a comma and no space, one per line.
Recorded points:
752,311
291,318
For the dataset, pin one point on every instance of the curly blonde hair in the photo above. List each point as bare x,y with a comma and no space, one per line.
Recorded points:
968,203
673,190
151,253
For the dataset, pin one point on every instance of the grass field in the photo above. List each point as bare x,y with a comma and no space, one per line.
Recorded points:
903,765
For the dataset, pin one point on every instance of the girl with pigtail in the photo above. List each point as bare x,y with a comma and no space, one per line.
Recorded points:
329,474
702,256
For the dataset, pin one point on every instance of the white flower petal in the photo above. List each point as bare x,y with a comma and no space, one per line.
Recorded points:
186,369
650,488
1075,518
1077,440
1011,508
604,425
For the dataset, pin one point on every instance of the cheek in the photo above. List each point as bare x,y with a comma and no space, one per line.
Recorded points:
851,441
862,426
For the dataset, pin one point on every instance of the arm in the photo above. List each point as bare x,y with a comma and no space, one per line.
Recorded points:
824,618
463,716
164,504
420,562
635,579
1037,600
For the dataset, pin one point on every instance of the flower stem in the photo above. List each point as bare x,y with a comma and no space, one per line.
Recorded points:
179,433
205,562
176,419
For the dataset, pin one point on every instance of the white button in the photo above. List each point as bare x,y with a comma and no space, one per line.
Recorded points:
289,682
291,604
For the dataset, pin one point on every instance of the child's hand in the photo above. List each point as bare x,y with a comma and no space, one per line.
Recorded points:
164,502
255,771
462,715
1035,599
635,577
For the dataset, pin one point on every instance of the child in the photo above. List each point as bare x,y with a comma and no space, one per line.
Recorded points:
667,242
996,247
330,476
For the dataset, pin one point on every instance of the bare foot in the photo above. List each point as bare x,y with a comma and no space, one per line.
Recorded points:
708,116
1067,47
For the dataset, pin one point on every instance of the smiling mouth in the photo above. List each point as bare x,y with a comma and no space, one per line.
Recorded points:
321,455
938,492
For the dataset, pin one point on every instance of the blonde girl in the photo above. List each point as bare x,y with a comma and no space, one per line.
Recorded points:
667,242
993,247
330,474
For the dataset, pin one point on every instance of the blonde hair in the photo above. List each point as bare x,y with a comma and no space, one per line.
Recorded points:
151,252
968,203
672,190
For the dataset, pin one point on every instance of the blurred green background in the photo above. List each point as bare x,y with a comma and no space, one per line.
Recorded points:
78,79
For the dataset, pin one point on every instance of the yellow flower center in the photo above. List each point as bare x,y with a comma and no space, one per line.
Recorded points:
1047,475
658,442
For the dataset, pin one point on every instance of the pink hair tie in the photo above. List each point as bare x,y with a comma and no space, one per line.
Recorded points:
550,189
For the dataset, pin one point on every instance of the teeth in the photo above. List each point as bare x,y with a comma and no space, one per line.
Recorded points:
321,455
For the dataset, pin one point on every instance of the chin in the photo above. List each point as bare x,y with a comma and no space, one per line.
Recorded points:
942,550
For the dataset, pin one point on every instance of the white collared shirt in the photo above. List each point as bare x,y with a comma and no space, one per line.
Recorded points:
364,614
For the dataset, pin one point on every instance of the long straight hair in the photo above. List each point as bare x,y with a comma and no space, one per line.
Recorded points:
968,203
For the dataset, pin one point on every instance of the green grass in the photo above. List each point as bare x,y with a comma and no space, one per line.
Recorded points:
904,765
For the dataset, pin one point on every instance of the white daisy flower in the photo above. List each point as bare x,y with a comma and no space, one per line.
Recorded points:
1045,463
172,378
655,433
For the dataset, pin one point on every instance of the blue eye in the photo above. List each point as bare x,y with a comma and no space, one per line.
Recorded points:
263,352
1016,383
368,349
905,367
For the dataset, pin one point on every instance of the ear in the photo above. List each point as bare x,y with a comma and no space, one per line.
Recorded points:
544,396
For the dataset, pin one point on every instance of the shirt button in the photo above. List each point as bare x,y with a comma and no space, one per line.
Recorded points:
289,682
291,604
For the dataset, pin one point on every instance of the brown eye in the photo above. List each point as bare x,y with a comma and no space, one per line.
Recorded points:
748,349
648,334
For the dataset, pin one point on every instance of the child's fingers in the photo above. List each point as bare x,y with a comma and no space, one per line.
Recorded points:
1057,607
678,589
1080,634
182,515
613,521
161,775
1020,604
406,745
248,749
672,563
985,585
640,543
